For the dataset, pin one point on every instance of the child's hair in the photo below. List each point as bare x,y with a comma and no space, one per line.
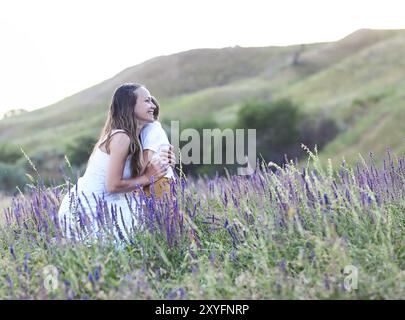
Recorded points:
156,111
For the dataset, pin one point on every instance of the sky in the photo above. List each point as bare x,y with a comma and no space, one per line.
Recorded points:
51,49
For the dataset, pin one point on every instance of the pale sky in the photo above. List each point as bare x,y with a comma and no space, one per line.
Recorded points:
51,49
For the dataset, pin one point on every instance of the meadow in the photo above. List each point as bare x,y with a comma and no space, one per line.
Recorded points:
315,231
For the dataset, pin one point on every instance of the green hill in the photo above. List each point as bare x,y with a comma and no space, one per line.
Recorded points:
359,80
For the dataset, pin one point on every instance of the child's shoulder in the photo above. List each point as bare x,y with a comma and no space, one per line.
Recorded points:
154,126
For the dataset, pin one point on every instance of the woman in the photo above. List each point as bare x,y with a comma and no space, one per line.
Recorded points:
115,168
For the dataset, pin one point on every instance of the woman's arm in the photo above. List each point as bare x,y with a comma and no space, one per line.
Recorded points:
168,155
119,147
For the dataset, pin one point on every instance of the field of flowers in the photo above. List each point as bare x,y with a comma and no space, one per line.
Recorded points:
316,232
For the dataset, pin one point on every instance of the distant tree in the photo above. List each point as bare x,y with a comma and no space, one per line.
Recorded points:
277,127
14,112
281,128
297,55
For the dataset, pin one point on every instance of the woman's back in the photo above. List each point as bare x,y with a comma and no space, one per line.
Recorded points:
91,188
94,178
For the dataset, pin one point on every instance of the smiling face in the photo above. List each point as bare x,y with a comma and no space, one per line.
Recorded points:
144,107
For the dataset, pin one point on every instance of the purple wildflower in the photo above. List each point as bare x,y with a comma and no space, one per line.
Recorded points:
12,252
90,277
26,258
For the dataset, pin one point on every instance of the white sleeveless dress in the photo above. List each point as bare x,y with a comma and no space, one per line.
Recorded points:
88,205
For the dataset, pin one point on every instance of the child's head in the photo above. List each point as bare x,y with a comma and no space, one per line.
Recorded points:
156,111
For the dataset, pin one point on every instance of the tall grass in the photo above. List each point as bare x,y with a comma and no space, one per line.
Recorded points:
284,233
5,202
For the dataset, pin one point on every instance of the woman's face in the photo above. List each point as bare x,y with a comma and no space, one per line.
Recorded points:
144,107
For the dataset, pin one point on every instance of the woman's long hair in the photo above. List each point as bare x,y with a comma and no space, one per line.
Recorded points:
121,115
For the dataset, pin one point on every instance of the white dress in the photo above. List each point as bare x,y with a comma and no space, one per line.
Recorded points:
87,206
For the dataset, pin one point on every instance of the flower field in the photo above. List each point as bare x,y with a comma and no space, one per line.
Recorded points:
312,232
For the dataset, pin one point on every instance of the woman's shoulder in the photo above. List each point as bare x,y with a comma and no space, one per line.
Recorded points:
120,140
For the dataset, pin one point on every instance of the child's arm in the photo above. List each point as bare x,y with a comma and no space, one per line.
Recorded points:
151,138
119,147
147,156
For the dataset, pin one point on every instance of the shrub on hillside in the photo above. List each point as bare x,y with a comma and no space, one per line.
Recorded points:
198,124
9,153
317,130
78,151
277,127
281,128
11,176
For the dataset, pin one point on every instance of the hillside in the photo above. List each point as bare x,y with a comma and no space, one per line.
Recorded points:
365,92
358,79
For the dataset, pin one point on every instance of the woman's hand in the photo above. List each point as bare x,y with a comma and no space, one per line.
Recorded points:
168,156
155,169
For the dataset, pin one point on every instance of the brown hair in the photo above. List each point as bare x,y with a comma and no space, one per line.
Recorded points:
121,115
156,111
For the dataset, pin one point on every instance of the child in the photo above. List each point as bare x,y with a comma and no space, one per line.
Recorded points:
154,140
